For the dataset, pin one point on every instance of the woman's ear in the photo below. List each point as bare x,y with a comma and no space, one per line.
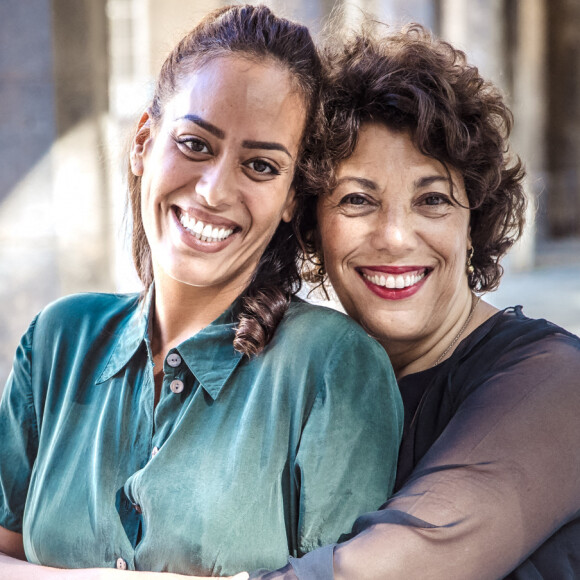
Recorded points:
290,206
142,136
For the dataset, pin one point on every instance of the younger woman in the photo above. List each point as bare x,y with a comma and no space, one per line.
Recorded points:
216,422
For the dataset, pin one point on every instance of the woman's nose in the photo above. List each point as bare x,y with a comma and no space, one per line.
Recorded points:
216,186
393,233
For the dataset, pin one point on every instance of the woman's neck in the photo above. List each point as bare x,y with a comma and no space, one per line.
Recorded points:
181,311
414,356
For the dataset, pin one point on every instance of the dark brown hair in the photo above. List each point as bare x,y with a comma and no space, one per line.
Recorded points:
411,81
254,32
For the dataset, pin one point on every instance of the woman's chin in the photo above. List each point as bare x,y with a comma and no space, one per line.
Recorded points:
389,325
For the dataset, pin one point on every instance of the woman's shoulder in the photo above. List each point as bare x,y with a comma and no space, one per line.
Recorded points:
315,322
319,331
540,336
510,342
89,309
90,304
328,350
511,329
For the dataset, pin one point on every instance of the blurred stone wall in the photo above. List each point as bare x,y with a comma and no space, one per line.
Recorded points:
28,265
563,78
53,200
75,75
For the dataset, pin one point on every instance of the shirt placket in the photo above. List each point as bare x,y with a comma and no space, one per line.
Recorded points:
129,511
175,390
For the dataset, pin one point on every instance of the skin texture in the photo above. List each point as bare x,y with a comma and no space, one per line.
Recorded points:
236,172
392,213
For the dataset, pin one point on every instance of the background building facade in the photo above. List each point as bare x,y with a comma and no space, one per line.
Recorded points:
76,74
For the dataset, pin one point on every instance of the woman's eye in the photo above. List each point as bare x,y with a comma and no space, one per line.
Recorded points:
353,199
262,167
436,199
195,145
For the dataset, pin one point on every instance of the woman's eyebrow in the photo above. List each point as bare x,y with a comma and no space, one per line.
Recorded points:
247,144
217,132
430,179
270,145
361,181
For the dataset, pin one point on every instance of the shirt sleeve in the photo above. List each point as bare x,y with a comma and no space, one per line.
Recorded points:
348,450
501,479
19,436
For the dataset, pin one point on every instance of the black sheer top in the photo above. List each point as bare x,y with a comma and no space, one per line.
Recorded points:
488,482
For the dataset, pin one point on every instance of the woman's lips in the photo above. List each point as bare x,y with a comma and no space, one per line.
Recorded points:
203,232
394,282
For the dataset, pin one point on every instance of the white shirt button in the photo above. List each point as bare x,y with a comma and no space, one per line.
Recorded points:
154,451
121,564
173,360
176,386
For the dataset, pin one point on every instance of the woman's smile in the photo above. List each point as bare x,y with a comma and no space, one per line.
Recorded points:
204,232
394,282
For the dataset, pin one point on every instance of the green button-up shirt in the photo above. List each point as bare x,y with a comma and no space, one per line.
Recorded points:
241,463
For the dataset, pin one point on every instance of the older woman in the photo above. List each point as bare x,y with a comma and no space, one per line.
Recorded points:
216,422
418,206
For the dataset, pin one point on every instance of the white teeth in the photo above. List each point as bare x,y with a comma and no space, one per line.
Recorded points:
204,232
399,282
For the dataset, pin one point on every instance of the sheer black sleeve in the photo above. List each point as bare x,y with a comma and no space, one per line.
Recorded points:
500,480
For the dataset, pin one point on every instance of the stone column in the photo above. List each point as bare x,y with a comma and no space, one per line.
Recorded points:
53,94
563,199
28,271
529,105
168,21
79,184
484,31
477,27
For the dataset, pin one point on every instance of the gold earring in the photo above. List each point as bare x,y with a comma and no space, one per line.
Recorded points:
469,268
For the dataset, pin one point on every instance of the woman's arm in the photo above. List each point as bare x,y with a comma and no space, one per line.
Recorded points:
502,478
13,565
349,445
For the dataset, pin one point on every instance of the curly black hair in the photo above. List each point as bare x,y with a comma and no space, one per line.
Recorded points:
411,81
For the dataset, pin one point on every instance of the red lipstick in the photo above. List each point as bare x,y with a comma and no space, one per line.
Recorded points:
393,293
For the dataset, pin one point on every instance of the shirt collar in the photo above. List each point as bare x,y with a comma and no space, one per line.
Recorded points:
132,334
209,354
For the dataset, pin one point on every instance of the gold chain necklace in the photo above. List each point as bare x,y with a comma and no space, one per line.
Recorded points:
474,306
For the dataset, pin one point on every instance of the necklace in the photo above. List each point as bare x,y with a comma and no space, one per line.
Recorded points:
473,307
